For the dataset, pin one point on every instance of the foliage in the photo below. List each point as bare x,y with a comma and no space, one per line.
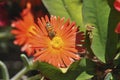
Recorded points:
101,61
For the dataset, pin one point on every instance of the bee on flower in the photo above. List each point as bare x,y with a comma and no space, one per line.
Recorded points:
50,30
57,41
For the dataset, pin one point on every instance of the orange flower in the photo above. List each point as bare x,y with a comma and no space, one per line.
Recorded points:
37,7
56,41
22,30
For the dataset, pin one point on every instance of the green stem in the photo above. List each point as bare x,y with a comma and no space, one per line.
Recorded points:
25,60
4,70
42,78
19,74
28,67
6,35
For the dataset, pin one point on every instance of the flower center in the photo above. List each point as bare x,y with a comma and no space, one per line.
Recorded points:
57,42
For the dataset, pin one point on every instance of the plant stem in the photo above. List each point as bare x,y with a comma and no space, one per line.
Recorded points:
25,60
4,70
42,78
19,74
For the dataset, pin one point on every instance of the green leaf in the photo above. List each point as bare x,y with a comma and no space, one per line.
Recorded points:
74,9
96,13
56,7
108,77
49,71
54,73
66,8
84,76
75,69
89,70
90,67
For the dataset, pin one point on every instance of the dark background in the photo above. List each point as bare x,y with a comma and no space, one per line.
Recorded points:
10,10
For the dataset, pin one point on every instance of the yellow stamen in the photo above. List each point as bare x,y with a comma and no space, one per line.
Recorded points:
30,30
57,42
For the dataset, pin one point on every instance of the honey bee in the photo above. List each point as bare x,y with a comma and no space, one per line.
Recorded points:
50,30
